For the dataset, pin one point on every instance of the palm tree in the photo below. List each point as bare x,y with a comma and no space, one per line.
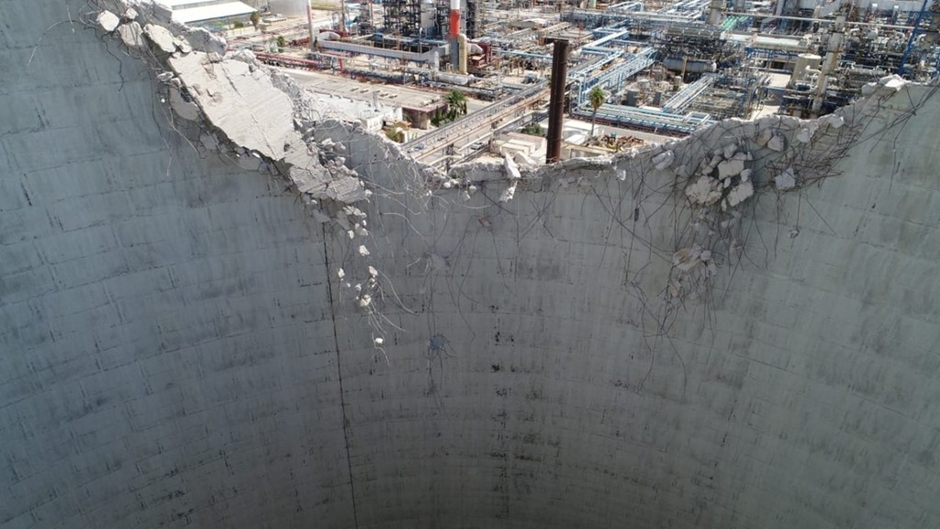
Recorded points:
255,19
456,103
596,97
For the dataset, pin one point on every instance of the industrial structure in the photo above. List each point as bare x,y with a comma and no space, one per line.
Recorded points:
239,293
665,68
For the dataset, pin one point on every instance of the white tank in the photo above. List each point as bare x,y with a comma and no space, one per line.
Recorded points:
803,61
289,8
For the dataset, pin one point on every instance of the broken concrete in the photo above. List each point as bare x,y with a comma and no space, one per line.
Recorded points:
108,21
132,34
161,37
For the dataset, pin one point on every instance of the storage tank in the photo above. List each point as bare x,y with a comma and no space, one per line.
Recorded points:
803,62
289,8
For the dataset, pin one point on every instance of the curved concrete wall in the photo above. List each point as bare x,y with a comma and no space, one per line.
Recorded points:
177,347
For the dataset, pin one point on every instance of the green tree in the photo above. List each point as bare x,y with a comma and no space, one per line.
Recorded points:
255,19
281,41
456,104
533,129
396,135
596,97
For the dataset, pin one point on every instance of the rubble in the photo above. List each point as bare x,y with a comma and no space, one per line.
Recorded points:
108,21
729,168
512,171
785,180
161,37
132,35
775,143
705,191
740,193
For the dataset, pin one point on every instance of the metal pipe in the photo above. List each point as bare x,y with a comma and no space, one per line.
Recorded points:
556,105
833,52
313,36
824,20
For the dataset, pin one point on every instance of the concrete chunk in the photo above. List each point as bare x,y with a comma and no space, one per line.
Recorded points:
160,37
132,35
108,21
705,191
740,193
785,180
729,168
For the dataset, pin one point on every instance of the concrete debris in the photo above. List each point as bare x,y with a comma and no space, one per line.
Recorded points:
130,14
805,134
184,109
512,170
365,300
164,76
132,35
834,120
108,21
340,273
740,193
705,191
776,143
160,37
222,88
203,40
764,137
785,180
507,195
373,272
160,12
746,175
664,159
895,82
521,159
730,150
729,168
379,341
363,251
183,46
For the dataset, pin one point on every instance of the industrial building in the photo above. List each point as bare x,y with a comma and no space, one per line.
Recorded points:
209,12
243,286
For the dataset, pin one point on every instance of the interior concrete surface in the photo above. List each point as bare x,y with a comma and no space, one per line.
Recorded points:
221,308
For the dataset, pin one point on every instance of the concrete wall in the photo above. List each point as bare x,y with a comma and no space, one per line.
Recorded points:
151,298
177,346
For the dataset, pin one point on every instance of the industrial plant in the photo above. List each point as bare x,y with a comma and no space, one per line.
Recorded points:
467,264
659,70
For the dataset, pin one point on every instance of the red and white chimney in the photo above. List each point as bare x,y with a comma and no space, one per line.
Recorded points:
454,18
